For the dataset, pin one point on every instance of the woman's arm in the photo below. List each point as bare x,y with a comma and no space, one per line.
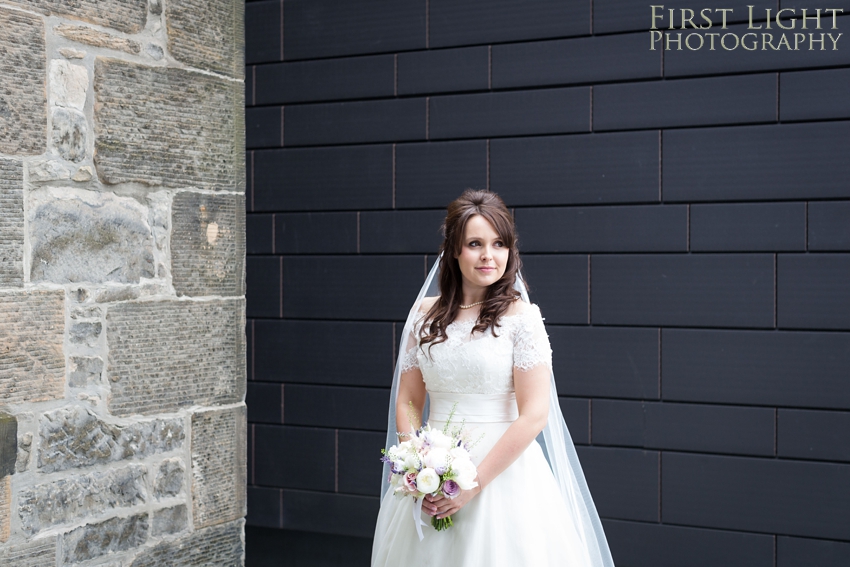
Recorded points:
532,398
411,392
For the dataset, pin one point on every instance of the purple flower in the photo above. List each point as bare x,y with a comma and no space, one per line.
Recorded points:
450,488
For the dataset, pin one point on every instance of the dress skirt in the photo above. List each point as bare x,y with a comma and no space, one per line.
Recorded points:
517,520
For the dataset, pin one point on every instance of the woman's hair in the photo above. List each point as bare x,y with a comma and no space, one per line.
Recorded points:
500,294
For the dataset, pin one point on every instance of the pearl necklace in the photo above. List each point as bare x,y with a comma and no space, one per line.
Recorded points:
471,305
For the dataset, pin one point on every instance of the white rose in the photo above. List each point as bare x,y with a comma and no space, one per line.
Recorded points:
437,459
459,454
411,462
465,473
427,481
439,440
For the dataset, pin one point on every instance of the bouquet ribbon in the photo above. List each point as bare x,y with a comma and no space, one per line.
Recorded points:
417,517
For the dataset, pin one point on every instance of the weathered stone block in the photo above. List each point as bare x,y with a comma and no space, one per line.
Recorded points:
91,36
37,553
170,520
199,354
8,444
47,170
11,219
128,16
23,101
70,499
78,235
24,450
85,371
32,364
68,84
168,127
169,479
69,134
5,508
208,244
208,34
74,437
219,465
220,546
96,540
85,332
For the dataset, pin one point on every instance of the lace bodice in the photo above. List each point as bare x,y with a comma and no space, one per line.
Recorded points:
481,363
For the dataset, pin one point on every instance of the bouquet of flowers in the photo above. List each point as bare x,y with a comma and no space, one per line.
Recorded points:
432,462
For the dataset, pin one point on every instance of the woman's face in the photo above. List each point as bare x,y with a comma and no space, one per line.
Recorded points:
483,255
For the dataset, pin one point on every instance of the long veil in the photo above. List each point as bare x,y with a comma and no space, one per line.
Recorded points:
555,440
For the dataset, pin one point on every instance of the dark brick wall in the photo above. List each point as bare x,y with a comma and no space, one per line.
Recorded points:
685,223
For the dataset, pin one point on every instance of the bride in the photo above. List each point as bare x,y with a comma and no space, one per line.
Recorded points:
475,343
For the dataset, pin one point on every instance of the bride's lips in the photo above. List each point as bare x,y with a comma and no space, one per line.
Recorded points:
486,268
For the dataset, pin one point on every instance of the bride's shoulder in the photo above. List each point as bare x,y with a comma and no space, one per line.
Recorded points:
427,303
520,307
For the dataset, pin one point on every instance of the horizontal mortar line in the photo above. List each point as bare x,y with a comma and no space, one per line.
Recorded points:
634,31
711,528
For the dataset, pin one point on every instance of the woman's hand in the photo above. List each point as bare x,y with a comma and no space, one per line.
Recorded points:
440,506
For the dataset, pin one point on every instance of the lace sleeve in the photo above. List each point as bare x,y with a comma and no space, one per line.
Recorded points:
531,343
409,359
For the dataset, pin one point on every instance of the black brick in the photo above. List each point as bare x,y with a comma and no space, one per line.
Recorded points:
260,234
655,228
722,61
435,173
812,291
444,70
249,86
296,351
635,544
330,79
264,402
457,22
829,225
813,95
793,161
623,482
262,31
571,61
262,127
748,227
546,111
756,495
821,435
325,28
360,467
376,287
341,514
323,178
393,120
577,416
692,102
605,362
799,552
316,233
802,369
559,285
263,293
312,469
713,290
565,170
263,549
263,507
687,427
336,406
401,232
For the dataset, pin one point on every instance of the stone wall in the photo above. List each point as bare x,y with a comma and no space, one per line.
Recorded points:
122,283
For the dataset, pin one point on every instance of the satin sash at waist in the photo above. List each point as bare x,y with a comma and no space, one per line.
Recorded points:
474,408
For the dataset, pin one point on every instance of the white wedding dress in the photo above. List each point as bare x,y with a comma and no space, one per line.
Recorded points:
520,518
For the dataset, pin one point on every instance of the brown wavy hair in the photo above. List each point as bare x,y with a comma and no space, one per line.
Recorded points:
500,294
